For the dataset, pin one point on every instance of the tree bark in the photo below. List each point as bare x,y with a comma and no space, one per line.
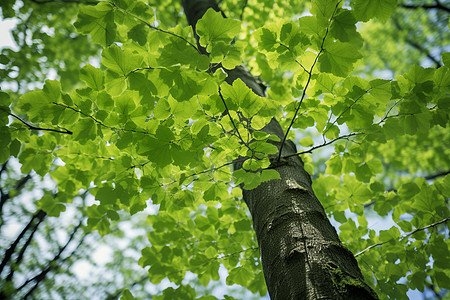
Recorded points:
301,254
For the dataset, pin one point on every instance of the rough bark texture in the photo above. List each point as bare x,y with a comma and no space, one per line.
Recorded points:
302,256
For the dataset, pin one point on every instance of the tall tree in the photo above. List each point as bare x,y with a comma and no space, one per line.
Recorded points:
301,254
176,118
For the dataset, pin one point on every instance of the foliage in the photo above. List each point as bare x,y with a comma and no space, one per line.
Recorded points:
38,265
148,127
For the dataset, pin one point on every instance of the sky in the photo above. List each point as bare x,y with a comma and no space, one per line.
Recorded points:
5,35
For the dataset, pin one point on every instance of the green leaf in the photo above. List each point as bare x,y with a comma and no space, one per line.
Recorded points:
103,227
126,295
307,142
106,195
33,159
98,21
338,58
159,149
446,59
216,192
332,132
426,199
363,173
269,174
202,223
214,27
115,83
7,9
162,109
418,74
239,276
344,28
340,216
266,39
142,9
51,205
364,10
175,53
241,97
120,61
310,25
139,34
85,130
323,9
334,165
93,77
388,235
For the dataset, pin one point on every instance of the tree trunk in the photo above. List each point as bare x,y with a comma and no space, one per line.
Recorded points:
301,254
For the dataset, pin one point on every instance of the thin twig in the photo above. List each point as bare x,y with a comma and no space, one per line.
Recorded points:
51,264
153,27
345,110
141,69
415,45
434,176
307,83
9,252
289,49
232,122
405,236
243,8
32,127
324,144
97,121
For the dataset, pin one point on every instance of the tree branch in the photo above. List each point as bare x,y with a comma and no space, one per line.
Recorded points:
438,5
434,176
97,121
416,45
25,246
227,111
405,236
307,83
243,8
5,197
324,144
153,27
345,110
32,127
50,265
9,252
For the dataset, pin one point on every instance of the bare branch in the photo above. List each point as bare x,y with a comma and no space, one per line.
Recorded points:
9,252
416,45
50,265
434,176
243,8
438,5
19,258
18,187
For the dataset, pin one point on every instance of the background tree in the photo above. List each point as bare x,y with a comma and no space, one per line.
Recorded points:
202,223
43,255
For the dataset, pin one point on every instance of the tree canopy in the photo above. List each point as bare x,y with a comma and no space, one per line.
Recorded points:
137,115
